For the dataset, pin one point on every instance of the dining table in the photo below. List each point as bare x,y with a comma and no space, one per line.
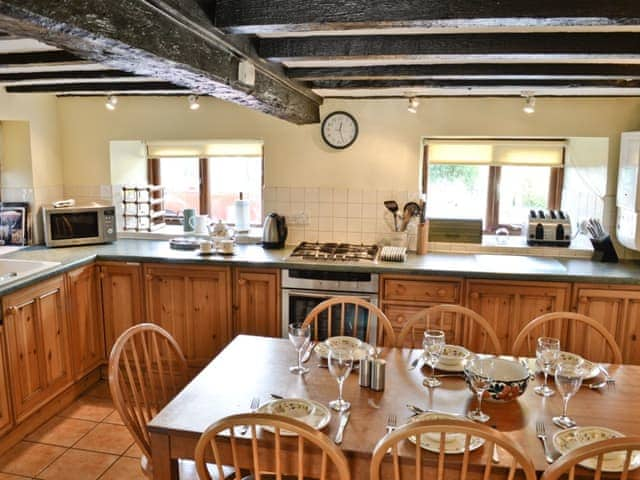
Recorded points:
252,366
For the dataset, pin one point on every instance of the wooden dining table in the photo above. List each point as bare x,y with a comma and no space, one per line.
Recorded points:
259,367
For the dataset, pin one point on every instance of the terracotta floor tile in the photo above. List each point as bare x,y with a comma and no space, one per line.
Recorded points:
100,390
106,438
62,431
133,452
89,408
114,418
78,465
28,458
8,476
125,469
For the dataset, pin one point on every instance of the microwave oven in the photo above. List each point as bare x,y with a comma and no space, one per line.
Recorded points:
68,226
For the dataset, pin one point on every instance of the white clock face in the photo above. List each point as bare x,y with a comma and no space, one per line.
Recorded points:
339,130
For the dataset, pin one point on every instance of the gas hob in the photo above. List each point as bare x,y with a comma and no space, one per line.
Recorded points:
335,252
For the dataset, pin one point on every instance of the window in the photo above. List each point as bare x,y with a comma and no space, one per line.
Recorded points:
498,181
208,177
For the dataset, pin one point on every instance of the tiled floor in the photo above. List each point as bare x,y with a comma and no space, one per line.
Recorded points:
86,441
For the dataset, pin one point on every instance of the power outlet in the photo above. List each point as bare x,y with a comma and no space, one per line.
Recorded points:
300,218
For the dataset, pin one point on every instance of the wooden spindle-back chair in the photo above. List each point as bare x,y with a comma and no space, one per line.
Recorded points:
409,461
314,454
461,325
146,370
332,318
578,334
566,464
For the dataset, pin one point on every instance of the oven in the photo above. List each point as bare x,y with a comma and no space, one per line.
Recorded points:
304,289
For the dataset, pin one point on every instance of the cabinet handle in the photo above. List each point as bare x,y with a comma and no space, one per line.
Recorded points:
148,276
441,292
132,264
475,295
12,310
242,282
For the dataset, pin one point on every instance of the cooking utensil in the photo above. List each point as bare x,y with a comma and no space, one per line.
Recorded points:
410,210
344,419
541,433
393,207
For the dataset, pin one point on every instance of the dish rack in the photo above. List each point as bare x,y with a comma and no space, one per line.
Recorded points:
393,254
143,208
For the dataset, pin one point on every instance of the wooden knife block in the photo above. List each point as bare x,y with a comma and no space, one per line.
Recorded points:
422,243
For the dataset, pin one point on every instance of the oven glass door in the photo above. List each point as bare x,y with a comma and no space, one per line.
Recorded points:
298,303
68,225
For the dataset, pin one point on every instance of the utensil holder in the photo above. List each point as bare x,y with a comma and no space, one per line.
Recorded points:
603,250
422,244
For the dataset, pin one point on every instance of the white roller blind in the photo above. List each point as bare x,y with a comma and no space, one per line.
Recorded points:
547,153
202,149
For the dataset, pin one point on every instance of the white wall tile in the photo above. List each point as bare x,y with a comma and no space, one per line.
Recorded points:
297,194
371,210
340,210
354,210
369,238
311,195
369,196
384,195
325,195
354,237
368,226
339,224
296,207
325,236
325,223
340,195
354,225
284,194
312,208
354,196
269,194
340,236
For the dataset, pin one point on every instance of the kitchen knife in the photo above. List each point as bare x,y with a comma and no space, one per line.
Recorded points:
344,419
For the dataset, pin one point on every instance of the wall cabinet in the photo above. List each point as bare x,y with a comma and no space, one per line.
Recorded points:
86,332
256,302
122,298
6,421
193,304
37,344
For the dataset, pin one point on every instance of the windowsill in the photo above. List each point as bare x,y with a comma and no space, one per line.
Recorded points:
171,231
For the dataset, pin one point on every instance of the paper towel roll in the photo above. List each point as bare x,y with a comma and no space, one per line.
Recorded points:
242,215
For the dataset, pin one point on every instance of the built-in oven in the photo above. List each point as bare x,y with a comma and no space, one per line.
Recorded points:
304,289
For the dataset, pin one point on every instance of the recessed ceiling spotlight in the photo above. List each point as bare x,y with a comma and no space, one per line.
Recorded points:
111,102
529,106
194,104
414,103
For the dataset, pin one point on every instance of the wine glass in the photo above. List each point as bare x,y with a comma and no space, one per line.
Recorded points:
300,336
479,373
433,344
340,364
568,380
547,351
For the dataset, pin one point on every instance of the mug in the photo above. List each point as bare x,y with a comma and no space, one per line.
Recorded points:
200,223
188,214
226,246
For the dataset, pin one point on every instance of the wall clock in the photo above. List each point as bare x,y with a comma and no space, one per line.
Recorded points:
339,129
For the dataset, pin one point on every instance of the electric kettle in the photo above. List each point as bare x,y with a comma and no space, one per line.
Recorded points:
274,231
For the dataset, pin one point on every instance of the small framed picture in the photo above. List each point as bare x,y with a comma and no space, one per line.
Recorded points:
14,223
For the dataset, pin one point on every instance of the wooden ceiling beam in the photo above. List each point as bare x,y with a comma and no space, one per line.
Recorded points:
484,70
524,84
145,38
35,58
285,16
502,47
106,87
78,75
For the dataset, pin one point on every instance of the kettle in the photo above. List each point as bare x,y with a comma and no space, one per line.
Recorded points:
274,231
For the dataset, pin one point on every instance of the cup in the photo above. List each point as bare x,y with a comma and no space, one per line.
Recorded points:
226,246
188,214
200,223
206,247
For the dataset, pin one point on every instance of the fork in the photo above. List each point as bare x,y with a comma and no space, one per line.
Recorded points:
611,382
255,403
541,433
392,423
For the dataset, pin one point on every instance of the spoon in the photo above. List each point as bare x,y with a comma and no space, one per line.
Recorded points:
392,206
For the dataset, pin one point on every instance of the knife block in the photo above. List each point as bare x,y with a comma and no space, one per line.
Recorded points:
603,250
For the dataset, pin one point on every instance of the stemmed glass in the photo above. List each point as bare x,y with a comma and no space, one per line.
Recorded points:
568,380
547,351
340,363
300,336
479,373
433,344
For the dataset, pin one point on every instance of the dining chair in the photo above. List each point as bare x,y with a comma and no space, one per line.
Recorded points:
566,464
462,326
311,454
407,460
146,370
578,334
349,316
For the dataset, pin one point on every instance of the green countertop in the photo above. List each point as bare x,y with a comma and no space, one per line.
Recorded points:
505,267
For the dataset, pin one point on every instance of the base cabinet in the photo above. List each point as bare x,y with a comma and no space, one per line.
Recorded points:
37,344
193,304
256,302
6,420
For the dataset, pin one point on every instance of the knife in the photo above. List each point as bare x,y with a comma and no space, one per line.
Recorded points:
343,423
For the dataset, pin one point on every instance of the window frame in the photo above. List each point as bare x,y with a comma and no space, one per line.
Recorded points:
556,180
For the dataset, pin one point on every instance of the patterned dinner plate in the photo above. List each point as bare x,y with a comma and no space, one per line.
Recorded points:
360,349
310,412
453,443
591,368
567,440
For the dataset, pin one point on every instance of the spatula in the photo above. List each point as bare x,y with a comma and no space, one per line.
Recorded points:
392,206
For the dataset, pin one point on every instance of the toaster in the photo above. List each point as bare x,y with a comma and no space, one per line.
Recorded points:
549,227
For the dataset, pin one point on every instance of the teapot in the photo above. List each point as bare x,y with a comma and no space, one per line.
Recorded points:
221,231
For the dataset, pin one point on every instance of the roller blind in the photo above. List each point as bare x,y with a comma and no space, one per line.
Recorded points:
547,153
202,149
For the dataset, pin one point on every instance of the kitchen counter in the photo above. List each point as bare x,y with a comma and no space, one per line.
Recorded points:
507,267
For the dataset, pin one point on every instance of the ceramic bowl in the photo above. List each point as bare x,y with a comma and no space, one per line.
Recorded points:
453,355
510,380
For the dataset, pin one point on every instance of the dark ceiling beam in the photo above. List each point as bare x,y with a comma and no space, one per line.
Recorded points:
106,87
143,37
282,16
78,75
508,46
486,70
34,58
470,83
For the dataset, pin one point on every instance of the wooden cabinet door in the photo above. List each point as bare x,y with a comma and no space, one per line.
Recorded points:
508,306
193,304
257,302
122,298
86,330
617,307
6,420
37,344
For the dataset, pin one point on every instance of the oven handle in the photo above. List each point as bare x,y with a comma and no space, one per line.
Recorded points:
330,293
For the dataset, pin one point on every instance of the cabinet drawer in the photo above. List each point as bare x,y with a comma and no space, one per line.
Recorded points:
399,314
421,291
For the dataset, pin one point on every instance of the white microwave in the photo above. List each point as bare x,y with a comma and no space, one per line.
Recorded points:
69,226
